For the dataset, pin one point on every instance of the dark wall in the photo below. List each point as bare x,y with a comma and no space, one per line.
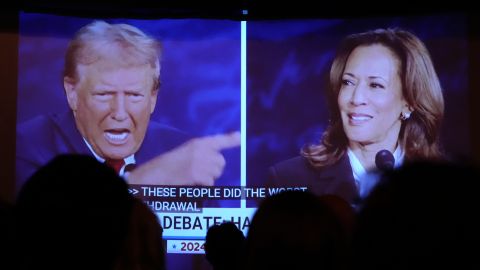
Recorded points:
8,78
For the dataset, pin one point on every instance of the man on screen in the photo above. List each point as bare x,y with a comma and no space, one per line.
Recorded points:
111,81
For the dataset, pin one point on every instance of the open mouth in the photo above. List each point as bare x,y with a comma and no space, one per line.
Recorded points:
116,136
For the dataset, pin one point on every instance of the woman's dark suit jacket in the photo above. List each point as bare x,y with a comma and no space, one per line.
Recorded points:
336,179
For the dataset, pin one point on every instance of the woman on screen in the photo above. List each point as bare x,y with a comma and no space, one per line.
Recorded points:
384,95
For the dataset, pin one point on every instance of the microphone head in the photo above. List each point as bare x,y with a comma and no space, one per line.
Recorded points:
384,160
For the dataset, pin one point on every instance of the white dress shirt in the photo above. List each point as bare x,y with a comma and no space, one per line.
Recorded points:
128,160
367,180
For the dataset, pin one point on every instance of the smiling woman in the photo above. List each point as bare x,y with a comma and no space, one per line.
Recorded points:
384,94
371,101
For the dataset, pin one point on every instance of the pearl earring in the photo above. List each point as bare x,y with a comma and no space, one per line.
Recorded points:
405,115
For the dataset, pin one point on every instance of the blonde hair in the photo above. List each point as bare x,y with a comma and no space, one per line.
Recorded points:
419,135
121,44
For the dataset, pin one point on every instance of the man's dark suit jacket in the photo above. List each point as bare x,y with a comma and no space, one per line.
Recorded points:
44,137
336,179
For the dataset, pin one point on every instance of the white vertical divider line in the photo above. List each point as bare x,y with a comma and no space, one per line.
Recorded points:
243,108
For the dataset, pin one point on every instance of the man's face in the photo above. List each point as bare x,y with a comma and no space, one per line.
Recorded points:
112,107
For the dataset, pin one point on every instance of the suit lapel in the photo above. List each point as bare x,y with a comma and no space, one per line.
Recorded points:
337,179
69,135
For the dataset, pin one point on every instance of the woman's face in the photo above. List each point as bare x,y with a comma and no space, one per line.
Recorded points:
370,97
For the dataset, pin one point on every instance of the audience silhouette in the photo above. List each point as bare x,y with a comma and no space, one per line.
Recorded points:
143,248
225,246
296,230
344,212
6,233
76,213
421,216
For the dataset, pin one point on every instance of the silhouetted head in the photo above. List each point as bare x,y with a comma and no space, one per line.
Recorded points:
225,246
72,213
420,216
295,230
343,210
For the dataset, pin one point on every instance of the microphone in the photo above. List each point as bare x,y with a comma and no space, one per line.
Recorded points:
384,160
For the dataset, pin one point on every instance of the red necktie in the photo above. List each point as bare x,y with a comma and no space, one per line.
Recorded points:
116,164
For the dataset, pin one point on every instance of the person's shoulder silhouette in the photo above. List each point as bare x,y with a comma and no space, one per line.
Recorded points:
421,216
72,213
6,234
225,246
